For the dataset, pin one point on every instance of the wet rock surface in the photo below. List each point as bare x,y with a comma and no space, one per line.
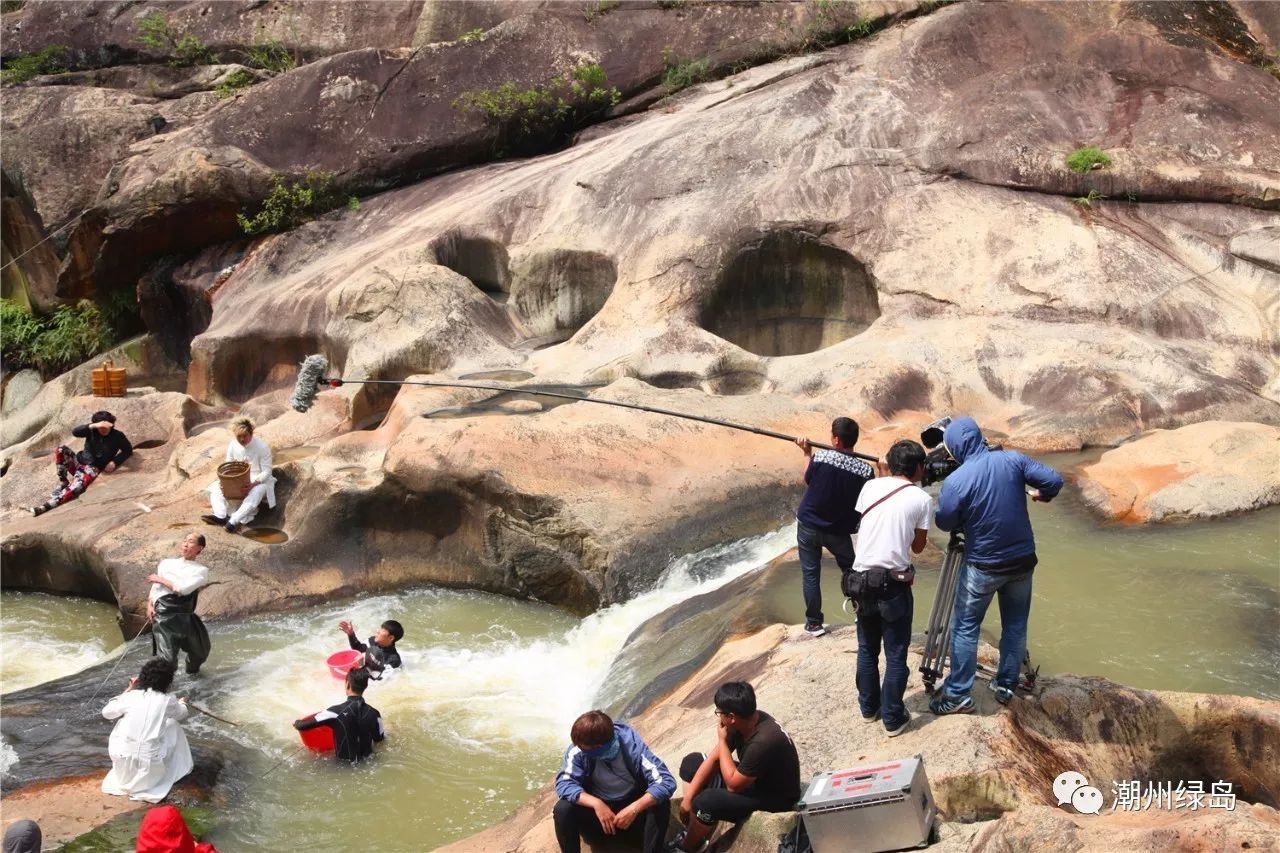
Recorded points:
1205,470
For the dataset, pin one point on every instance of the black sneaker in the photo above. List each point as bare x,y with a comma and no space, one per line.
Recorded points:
815,629
213,519
232,527
871,718
943,704
900,728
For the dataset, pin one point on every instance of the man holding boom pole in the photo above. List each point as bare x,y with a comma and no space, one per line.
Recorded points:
826,516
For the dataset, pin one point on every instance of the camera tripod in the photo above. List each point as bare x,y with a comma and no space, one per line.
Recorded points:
937,638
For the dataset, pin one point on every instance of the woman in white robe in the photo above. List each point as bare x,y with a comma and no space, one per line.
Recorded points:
148,747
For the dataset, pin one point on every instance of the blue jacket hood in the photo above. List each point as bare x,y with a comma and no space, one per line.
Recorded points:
963,439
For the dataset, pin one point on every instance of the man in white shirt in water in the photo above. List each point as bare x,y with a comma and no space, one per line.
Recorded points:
895,518
175,588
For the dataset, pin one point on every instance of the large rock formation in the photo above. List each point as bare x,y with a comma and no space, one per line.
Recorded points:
886,241
1203,470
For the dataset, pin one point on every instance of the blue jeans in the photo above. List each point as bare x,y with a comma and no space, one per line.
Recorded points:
811,541
973,595
887,618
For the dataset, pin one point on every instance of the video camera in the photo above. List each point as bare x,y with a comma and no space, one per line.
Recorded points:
938,462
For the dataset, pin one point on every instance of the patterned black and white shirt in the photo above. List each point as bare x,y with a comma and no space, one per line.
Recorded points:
834,482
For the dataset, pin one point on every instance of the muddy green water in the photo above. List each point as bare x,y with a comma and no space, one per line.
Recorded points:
478,717
1192,607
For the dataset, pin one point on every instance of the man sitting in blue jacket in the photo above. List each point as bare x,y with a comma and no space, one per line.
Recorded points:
608,780
987,498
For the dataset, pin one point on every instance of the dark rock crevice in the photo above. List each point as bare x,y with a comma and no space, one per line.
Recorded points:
787,292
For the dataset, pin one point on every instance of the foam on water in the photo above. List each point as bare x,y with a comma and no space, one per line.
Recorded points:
476,718
43,637
470,676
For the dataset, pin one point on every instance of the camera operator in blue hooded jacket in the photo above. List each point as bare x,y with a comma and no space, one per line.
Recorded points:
986,497
611,783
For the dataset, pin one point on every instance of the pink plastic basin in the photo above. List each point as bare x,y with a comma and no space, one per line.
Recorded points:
340,663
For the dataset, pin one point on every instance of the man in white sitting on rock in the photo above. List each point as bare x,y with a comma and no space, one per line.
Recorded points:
244,447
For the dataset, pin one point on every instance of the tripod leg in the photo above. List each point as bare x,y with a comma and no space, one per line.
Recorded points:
938,632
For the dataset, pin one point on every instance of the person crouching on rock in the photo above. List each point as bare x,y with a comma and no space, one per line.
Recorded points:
356,725
611,783
148,748
766,776
244,447
175,589
380,652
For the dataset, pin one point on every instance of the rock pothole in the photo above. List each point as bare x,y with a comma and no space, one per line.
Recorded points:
556,292
789,293
482,260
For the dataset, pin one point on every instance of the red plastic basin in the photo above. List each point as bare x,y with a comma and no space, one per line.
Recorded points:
340,663
319,739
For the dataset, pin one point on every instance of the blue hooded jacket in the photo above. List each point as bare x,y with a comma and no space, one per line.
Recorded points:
646,768
986,498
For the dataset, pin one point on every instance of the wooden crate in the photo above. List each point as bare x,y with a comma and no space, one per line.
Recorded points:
108,380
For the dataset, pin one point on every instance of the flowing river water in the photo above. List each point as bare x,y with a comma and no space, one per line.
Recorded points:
479,716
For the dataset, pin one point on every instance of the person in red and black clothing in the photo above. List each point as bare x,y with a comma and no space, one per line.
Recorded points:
105,449
827,518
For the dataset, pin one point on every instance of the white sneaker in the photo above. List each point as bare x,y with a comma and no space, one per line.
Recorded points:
815,630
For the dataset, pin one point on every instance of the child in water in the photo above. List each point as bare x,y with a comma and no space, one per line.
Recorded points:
380,652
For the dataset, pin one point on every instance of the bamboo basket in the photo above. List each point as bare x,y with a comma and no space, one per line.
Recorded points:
233,477
108,380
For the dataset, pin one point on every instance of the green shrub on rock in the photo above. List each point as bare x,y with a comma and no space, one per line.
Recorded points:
49,60
234,82
270,55
294,203
1087,158
60,341
155,32
537,115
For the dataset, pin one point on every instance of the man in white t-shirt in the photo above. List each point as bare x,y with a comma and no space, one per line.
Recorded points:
895,520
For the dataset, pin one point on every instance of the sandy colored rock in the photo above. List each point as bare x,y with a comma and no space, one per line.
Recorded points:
998,763
1205,470
67,808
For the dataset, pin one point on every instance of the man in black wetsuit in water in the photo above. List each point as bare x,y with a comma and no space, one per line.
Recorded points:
356,725
380,652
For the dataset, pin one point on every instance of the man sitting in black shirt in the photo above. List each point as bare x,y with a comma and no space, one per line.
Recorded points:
766,776
380,651
356,726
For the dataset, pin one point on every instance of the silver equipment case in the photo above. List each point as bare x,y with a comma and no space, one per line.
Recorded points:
884,806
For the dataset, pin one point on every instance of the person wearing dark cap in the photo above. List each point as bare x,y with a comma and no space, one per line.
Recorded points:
107,445
23,836
105,449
